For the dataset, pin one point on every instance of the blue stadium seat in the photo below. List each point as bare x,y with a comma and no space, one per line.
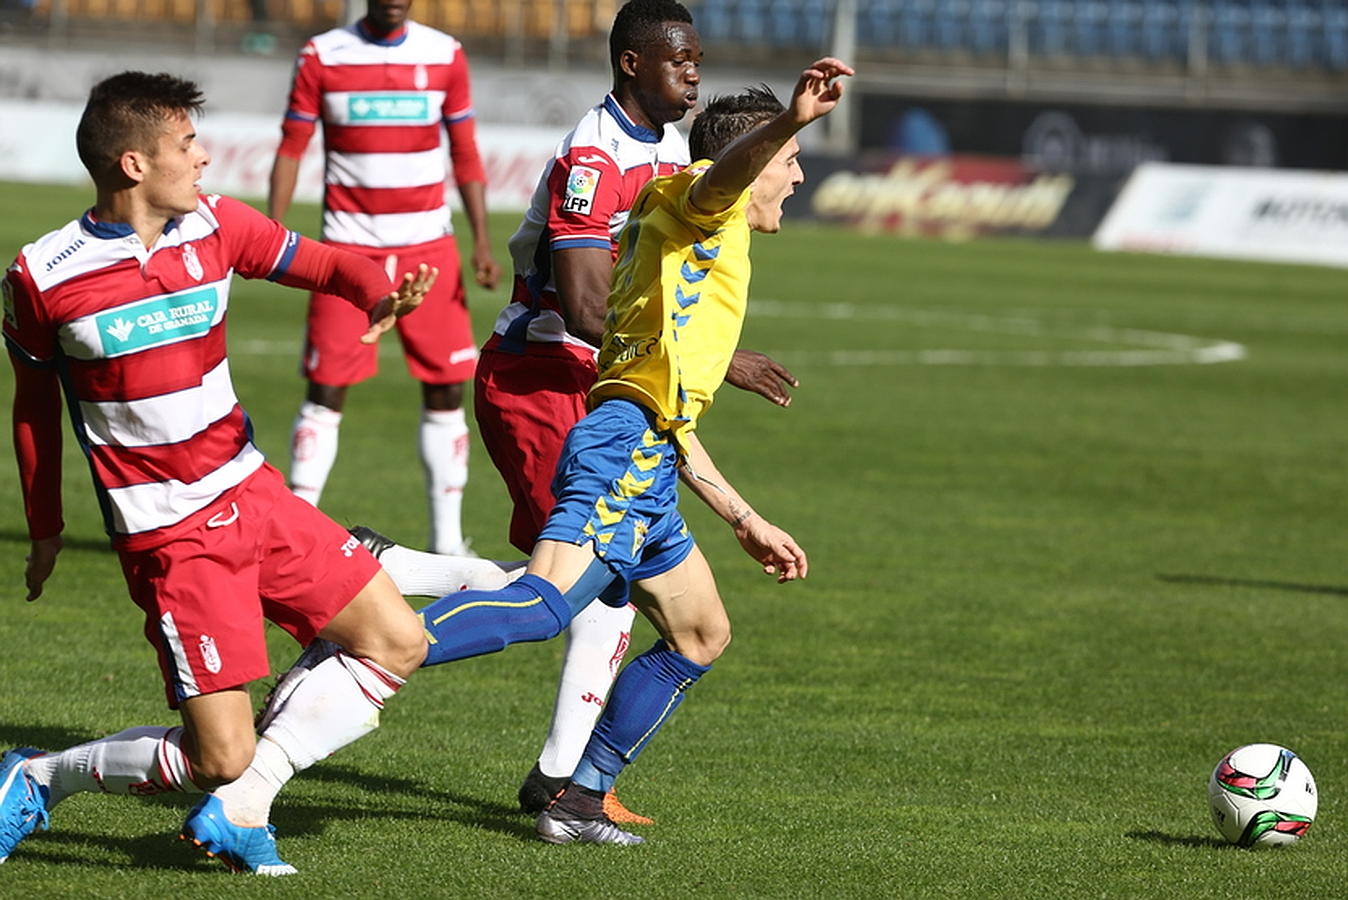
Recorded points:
949,24
1303,34
714,20
1334,22
1050,27
878,25
1088,27
1229,32
1268,33
814,23
1123,28
751,21
989,26
1162,37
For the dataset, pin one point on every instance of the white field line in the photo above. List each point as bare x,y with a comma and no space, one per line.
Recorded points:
1152,348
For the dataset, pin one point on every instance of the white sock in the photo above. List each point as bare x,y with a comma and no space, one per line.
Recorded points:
313,449
595,643
443,438
421,574
141,761
336,703
247,800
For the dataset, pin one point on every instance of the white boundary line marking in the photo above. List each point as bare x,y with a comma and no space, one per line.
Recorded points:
1152,348
1156,348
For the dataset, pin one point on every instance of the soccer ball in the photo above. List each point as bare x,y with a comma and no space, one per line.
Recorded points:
1262,795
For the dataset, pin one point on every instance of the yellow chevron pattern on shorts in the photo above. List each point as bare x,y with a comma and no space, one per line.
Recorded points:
629,486
606,515
646,461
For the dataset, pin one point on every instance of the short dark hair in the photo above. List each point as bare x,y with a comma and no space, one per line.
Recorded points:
730,116
128,112
637,26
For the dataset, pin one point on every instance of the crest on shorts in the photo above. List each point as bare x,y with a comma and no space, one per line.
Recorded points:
580,188
192,263
210,656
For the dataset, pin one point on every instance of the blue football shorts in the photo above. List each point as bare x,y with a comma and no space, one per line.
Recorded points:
617,488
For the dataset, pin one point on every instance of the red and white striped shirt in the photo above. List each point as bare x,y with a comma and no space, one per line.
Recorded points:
582,200
137,337
386,105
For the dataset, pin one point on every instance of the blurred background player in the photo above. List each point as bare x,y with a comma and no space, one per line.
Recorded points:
388,90
125,307
536,368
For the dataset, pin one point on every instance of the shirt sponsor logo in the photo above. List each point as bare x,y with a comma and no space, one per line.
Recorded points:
387,108
580,188
64,254
158,320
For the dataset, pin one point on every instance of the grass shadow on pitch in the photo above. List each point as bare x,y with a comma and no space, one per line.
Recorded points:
1218,581
43,737
10,535
1181,840
425,802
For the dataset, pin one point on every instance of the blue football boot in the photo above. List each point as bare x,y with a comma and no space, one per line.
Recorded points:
23,802
242,849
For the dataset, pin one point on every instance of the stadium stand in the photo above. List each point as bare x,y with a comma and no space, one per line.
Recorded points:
1255,34
1250,33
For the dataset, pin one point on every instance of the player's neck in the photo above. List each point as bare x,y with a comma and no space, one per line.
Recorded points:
627,99
380,31
125,208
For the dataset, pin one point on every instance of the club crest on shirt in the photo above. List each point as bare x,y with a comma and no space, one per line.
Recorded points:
580,188
191,263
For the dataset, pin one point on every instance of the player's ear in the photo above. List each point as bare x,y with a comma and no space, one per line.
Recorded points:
627,62
132,164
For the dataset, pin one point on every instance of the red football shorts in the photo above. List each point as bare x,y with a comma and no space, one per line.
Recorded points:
437,337
263,554
525,404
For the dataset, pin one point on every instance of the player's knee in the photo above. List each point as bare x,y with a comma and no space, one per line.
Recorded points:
221,763
703,646
401,648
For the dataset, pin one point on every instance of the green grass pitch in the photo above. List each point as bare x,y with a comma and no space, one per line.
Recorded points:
1061,561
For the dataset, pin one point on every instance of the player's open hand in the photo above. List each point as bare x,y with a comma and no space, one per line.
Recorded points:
408,296
818,91
753,371
41,560
776,550
486,270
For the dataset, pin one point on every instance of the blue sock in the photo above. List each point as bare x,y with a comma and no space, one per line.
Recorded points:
471,623
644,696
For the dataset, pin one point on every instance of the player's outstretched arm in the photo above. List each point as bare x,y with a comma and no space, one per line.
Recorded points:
411,291
816,93
773,548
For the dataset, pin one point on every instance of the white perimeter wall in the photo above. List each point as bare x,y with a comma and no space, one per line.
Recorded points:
1274,215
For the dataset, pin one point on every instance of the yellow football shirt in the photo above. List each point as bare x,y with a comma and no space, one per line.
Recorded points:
677,303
